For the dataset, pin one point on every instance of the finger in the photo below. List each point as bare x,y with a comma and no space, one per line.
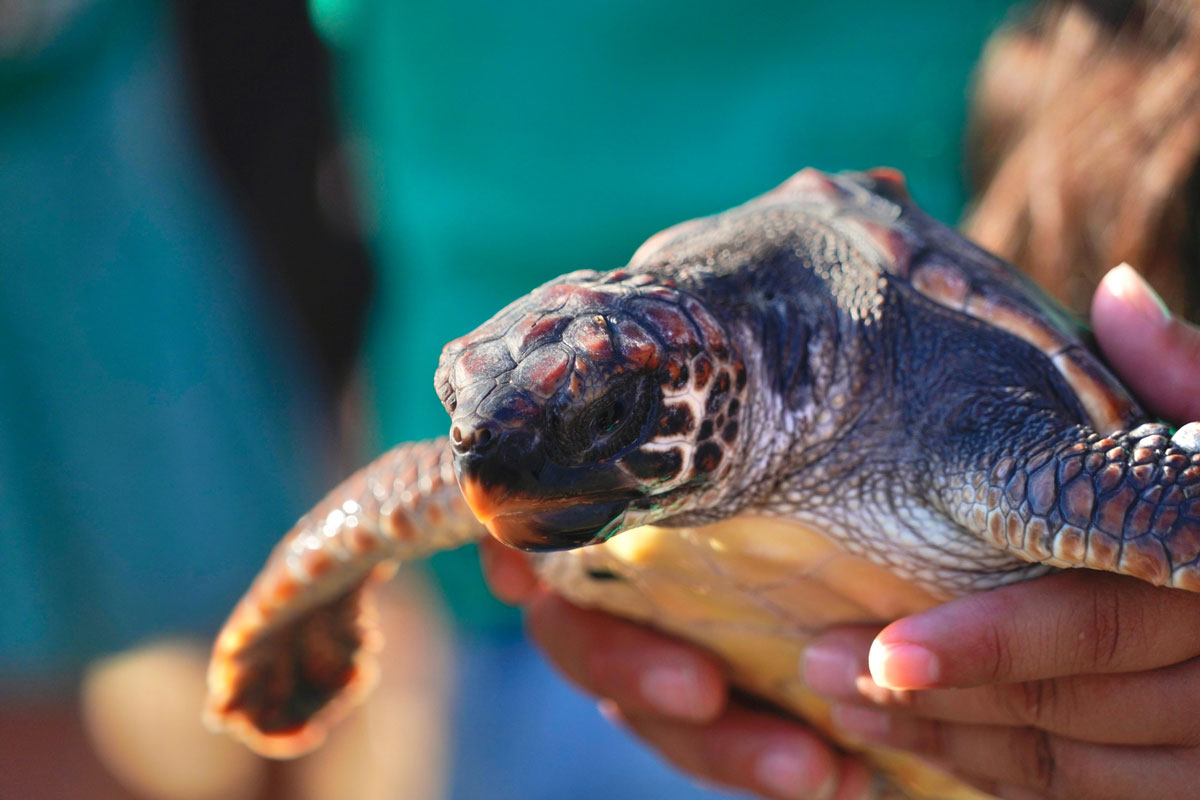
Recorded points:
643,671
508,573
760,752
1153,352
1092,708
1072,623
1049,765
835,663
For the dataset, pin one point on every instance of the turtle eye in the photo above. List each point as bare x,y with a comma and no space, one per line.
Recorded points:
604,427
608,418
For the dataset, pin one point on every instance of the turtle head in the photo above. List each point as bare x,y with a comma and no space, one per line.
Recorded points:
598,402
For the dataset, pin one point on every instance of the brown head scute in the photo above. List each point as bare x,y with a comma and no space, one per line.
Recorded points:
576,411
636,345
529,331
672,325
590,338
545,369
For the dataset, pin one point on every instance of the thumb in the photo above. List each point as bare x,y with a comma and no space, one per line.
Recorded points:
1154,353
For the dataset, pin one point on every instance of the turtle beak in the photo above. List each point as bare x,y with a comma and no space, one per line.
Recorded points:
532,503
484,502
542,526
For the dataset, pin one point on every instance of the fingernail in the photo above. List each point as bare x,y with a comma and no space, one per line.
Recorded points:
611,712
674,691
903,666
788,772
861,723
1127,284
830,670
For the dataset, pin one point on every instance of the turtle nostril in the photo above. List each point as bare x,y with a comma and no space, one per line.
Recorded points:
476,441
462,441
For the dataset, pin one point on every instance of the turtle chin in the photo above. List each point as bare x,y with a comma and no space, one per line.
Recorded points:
562,528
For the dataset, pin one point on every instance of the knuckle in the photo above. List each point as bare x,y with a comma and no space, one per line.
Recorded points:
1055,768
1103,633
1106,619
1025,702
1034,751
1045,764
999,656
1039,703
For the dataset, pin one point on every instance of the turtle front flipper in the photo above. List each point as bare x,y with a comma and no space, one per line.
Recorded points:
296,653
1127,502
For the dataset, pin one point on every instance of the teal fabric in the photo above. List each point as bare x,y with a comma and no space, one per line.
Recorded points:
157,431
502,144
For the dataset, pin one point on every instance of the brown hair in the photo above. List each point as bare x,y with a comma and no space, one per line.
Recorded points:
1084,146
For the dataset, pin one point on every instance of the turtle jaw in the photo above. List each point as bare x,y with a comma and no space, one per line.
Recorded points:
563,528
532,503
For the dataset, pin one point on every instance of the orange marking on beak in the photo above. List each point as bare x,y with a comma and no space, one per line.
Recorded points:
507,516
482,501
488,507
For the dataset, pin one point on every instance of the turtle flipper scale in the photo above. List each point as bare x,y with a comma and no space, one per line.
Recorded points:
297,651
1126,502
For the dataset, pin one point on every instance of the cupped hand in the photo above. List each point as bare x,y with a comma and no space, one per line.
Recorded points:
675,696
1079,685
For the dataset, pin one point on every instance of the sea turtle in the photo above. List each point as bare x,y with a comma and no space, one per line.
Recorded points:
819,407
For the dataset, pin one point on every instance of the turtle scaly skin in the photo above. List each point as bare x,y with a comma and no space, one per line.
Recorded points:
819,407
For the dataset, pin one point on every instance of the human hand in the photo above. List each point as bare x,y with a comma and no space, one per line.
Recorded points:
1083,684
675,696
